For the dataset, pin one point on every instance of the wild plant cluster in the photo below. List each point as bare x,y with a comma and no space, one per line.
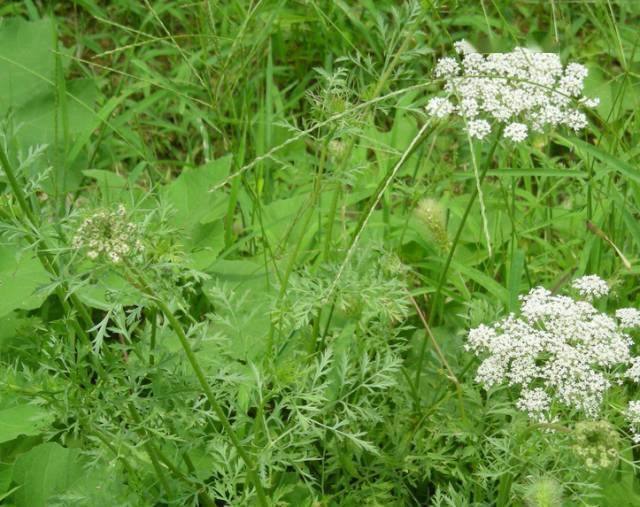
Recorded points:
319,254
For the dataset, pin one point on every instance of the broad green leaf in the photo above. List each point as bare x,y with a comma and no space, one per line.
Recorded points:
21,274
111,185
190,196
45,471
22,420
26,61
28,92
6,472
194,205
38,116
281,220
242,299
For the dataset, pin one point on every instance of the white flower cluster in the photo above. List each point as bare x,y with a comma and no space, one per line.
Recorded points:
525,90
628,317
633,417
559,350
109,234
591,287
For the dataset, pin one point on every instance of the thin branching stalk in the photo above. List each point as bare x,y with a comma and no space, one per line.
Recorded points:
153,453
202,379
422,134
456,240
42,252
451,375
63,294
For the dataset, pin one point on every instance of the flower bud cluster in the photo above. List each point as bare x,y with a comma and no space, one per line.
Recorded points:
108,234
596,442
559,350
543,492
524,90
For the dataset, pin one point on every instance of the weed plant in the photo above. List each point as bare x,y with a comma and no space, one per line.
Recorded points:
243,244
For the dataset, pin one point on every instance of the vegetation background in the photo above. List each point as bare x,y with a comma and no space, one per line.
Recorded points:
291,332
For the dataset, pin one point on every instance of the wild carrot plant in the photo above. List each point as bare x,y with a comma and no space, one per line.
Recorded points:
319,253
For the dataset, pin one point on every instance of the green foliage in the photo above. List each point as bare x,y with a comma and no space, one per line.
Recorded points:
22,279
284,323
22,420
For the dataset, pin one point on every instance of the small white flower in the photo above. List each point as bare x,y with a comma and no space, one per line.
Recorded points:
517,132
559,350
575,120
478,128
108,233
590,102
520,88
439,107
462,47
447,67
633,373
535,403
628,317
591,286
633,417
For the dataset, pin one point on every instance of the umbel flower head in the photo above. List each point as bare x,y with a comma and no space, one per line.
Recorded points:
559,352
523,90
633,417
596,442
108,234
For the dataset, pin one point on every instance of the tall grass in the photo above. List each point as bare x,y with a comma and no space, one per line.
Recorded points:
288,325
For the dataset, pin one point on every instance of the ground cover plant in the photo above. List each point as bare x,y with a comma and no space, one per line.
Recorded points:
319,253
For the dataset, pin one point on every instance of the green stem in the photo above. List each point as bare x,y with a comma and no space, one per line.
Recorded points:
152,341
456,239
195,365
152,452
42,252
332,218
439,353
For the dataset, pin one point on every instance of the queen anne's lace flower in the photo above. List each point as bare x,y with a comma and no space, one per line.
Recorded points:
516,132
596,442
591,287
559,350
633,417
478,128
439,107
628,317
525,90
108,234
535,403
